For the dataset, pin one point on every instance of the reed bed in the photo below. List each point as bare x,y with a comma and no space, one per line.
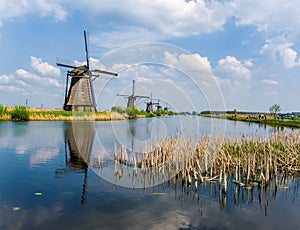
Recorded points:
246,161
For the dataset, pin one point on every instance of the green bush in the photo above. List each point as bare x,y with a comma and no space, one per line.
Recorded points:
117,109
3,110
20,113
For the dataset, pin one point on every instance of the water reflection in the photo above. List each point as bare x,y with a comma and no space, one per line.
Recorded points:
78,144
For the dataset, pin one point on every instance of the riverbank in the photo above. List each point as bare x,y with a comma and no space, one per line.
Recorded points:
268,120
37,114
21,113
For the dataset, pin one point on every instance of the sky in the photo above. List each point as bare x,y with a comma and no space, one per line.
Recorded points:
192,55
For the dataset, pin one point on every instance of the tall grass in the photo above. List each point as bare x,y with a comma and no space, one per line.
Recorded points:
250,159
4,114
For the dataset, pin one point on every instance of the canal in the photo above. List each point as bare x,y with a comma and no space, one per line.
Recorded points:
60,175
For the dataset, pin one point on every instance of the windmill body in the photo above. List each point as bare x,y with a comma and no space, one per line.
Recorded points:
132,99
150,105
79,96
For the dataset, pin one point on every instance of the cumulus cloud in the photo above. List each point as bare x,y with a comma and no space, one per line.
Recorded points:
16,8
231,68
44,68
280,49
180,18
35,78
155,20
289,58
188,62
96,64
275,16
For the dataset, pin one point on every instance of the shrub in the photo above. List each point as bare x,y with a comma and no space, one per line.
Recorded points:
3,110
20,113
117,109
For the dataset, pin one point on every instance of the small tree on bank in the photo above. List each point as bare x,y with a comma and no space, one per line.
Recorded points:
274,109
20,113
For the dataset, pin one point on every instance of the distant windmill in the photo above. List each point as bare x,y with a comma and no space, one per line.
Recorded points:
132,99
80,96
166,108
158,106
150,104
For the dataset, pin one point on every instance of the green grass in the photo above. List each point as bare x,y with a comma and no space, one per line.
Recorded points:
271,121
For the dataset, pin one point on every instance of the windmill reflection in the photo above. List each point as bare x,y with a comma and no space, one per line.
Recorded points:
78,141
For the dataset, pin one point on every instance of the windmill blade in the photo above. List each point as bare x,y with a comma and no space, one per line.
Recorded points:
86,51
142,97
104,72
65,65
123,95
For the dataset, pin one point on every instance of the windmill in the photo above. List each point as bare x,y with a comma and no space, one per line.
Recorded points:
166,108
158,106
80,95
149,105
132,99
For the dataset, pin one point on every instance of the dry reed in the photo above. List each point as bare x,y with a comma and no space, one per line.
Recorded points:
246,160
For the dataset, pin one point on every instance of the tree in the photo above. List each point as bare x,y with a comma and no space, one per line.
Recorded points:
274,109
117,109
235,113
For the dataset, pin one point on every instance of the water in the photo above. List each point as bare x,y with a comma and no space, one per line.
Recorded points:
49,179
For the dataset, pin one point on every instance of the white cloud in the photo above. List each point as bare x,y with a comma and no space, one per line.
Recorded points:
11,84
48,7
44,68
272,16
96,64
4,79
16,8
142,21
270,82
231,68
280,49
11,88
289,58
188,62
181,18
35,78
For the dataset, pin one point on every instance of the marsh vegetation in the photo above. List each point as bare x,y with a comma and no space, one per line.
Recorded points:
245,161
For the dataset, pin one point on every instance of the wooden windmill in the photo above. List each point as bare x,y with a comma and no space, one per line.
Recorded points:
132,99
80,95
150,104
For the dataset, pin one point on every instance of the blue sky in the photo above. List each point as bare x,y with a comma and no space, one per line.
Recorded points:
193,55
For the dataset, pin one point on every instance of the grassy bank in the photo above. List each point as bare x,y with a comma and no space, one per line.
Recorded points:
20,113
255,118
